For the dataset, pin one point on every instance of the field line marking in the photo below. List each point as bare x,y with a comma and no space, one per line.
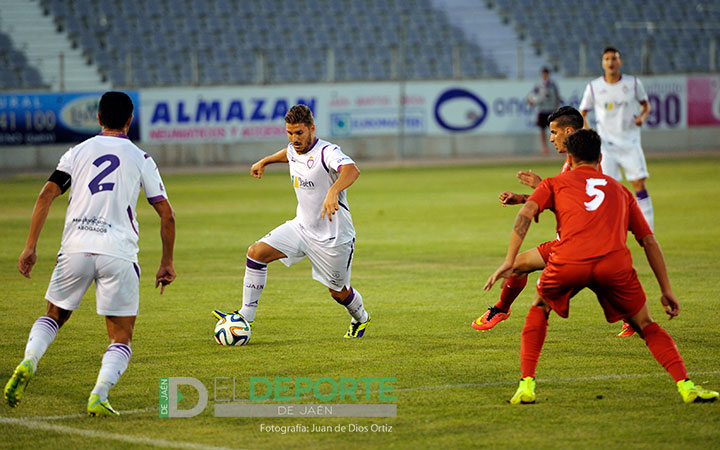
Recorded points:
79,415
62,429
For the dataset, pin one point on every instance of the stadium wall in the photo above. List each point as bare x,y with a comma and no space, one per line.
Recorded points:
215,126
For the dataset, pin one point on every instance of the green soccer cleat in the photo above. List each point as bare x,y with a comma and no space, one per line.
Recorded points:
525,392
97,408
15,387
692,393
221,315
357,329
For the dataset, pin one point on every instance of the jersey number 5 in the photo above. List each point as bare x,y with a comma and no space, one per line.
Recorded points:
592,190
95,184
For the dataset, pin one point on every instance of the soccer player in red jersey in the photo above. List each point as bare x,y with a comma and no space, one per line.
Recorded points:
563,122
589,205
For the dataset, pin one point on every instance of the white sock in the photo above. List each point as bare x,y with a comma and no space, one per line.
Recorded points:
253,285
354,305
114,363
42,334
645,204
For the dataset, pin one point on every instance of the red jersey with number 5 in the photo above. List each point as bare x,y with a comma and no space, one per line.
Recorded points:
594,213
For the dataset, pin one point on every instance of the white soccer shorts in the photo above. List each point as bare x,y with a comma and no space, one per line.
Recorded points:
631,159
117,283
331,266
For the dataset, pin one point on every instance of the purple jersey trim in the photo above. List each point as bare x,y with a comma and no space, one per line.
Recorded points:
111,134
130,216
137,270
322,158
157,198
344,206
146,156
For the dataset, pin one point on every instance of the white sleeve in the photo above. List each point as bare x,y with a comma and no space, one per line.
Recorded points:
334,158
640,93
66,162
152,182
588,100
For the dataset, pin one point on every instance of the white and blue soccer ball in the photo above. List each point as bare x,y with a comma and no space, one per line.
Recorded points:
232,329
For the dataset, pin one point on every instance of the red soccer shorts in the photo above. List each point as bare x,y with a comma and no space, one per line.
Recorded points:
612,278
546,249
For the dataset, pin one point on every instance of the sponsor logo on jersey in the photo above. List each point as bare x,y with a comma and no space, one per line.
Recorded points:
301,183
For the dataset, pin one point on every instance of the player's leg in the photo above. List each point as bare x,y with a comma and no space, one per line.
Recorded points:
70,280
532,340
117,292
663,348
525,263
332,266
353,303
635,167
281,243
114,363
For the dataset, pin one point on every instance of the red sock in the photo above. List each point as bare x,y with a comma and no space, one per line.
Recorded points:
664,350
510,291
533,337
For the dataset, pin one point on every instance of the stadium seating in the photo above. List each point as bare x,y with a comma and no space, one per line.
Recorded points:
658,37
16,72
225,41
137,43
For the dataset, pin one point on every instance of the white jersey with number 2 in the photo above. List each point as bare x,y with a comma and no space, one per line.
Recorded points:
107,173
312,174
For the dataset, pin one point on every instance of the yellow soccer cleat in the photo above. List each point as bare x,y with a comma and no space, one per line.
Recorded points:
357,329
692,393
98,408
15,387
525,392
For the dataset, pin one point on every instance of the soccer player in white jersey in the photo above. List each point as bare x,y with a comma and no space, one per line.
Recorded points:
322,229
615,97
99,243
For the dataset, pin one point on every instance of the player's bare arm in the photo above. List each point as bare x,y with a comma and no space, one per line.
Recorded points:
348,174
655,258
511,198
520,228
166,272
584,113
40,212
529,178
258,168
644,113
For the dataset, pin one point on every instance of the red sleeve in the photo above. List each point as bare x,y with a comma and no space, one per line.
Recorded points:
637,223
543,195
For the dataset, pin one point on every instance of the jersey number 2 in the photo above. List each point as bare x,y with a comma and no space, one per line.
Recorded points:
592,190
95,184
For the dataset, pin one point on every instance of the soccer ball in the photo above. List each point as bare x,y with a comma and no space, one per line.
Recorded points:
232,330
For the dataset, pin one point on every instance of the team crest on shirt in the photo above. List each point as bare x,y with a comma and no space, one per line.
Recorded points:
310,162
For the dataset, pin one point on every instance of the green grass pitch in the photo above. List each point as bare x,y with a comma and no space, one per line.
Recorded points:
427,239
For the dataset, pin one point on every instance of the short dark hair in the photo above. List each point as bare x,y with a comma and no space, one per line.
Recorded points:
612,49
300,114
545,70
115,109
584,145
567,116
